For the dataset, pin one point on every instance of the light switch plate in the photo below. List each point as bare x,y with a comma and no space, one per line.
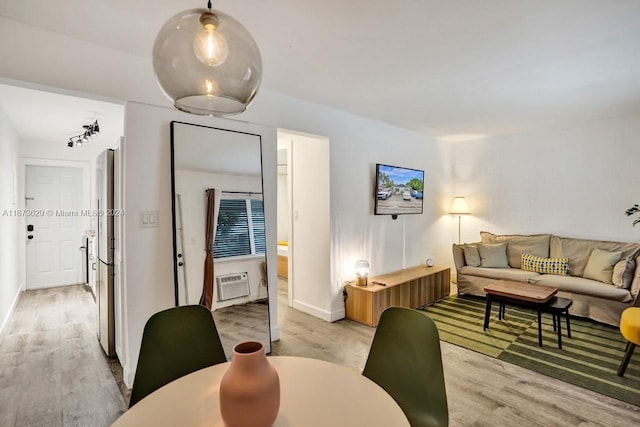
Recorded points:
148,219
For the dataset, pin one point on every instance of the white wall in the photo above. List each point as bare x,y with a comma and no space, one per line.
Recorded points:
10,260
149,251
357,144
191,186
575,181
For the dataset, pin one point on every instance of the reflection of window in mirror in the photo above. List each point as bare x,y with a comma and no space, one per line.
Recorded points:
240,230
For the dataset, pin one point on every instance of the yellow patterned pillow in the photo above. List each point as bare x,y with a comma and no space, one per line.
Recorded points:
559,266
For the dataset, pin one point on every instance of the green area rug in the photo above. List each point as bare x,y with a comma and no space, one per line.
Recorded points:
589,359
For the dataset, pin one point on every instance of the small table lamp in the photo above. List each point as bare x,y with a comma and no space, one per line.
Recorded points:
362,272
459,207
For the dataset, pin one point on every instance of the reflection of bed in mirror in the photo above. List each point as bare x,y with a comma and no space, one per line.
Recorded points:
230,164
283,259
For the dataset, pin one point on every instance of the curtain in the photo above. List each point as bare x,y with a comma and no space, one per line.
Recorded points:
207,286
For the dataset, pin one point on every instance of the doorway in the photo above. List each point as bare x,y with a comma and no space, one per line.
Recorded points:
54,202
304,221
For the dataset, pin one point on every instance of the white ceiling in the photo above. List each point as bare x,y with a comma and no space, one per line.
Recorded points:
451,68
47,120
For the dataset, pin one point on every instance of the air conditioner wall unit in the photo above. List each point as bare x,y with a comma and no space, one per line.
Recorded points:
231,286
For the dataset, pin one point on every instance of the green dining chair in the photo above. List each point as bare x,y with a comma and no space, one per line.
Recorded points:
405,361
175,342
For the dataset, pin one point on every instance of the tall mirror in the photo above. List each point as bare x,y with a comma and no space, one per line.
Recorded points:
219,229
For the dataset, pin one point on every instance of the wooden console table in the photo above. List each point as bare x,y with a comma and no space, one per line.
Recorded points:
411,287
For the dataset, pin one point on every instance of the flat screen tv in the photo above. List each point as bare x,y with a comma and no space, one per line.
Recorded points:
398,190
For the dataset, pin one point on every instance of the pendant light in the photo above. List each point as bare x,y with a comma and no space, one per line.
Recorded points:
207,63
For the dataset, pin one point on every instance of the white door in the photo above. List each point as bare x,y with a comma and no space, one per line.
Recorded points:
53,202
309,239
183,292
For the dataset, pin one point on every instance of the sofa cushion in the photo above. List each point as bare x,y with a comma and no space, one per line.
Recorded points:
579,250
517,244
635,284
471,255
580,285
600,265
623,273
493,255
559,266
499,273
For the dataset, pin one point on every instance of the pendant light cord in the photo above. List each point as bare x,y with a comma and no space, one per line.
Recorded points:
209,4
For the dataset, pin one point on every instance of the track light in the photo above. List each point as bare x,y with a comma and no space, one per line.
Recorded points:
89,130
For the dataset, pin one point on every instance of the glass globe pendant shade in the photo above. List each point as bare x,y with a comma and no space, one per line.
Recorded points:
207,63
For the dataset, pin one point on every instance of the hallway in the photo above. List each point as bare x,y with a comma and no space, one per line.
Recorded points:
52,369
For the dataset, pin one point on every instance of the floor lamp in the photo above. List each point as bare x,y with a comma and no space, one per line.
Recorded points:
459,207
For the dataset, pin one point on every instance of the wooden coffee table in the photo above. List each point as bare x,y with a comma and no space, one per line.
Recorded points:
520,294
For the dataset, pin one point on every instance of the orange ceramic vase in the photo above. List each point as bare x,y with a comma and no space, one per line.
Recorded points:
250,389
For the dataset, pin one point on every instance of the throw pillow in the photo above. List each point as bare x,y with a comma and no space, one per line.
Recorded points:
471,255
623,273
493,255
517,244
559,266
600,265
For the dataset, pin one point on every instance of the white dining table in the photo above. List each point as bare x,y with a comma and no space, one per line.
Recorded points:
312,393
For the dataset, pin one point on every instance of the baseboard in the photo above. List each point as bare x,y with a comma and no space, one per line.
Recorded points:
275,333
338,315
128,376
5,321
312,310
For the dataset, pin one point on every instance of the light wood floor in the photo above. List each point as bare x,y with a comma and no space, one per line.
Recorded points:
481,390
52,371
239,323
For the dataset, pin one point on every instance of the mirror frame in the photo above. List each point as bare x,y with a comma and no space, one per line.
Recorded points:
173,209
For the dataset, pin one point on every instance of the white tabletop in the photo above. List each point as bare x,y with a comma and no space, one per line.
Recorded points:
312,393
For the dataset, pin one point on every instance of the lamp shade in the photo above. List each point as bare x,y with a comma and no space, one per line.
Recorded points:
362,268
362,272
459,206
207,63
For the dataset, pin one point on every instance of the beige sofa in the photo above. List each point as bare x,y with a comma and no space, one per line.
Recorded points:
603,302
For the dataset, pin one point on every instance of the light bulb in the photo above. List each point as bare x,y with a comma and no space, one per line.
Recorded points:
362,271
362,268
209,45
210,87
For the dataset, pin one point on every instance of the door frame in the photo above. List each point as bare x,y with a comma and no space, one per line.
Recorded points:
22,176
296,142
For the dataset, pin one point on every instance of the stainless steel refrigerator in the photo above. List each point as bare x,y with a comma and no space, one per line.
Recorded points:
105,248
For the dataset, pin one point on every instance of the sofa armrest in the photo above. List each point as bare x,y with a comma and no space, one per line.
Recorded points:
458,256
635,284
